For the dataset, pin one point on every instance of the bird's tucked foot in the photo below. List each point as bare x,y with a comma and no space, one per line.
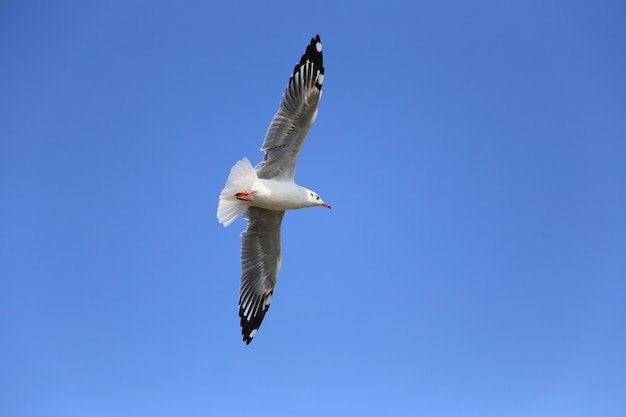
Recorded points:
243,196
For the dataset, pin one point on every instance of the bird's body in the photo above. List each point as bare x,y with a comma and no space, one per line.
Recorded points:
252,191
262,194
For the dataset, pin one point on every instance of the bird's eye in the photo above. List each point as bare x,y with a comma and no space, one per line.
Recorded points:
318,197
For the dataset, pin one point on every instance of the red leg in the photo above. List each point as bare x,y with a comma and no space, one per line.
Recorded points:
243,196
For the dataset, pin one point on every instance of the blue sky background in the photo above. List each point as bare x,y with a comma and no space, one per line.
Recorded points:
474,261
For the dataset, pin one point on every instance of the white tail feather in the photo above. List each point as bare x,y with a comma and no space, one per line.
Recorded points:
242,176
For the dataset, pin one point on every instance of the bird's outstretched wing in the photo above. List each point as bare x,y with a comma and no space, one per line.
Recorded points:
260,262
295,116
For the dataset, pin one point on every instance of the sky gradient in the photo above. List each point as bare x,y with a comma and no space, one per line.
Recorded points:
473,263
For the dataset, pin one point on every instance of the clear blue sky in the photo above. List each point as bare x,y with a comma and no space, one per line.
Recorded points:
473,264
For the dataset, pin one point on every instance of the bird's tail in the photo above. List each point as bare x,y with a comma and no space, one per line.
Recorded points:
242,176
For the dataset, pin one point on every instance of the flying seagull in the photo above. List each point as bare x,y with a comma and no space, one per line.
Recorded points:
262,194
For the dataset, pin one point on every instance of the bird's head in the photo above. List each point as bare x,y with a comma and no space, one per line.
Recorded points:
315,200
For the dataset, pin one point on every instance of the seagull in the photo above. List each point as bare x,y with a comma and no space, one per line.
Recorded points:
262,194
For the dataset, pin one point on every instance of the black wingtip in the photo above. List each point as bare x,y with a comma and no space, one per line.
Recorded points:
314,55
249,328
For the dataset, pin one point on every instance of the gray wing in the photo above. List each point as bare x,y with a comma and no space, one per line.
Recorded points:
295,116
260,262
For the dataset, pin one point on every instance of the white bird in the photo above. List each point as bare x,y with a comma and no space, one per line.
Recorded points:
262,194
